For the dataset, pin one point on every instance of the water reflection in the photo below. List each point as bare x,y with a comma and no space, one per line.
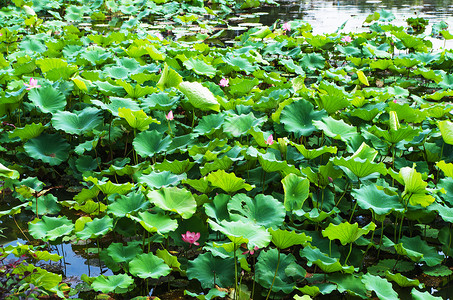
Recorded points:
326,16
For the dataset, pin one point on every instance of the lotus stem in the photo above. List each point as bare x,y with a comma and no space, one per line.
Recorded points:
235,273
275,275
353,210
350,250
14,218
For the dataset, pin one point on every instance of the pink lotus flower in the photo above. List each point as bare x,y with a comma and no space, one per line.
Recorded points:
346,39
270,140
394,100
191,237
224,82
286,26
251,252
169,116
159,36
1,34
32,84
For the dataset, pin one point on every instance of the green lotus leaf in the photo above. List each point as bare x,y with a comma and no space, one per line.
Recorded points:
349,283
391,265
262,210
200,67
313,153
174,199
159,223
336,129
110,188
160,101
170,260
117,103
147,265
240,232
213,293
47,205
239,125
315,215
346,233
13,211
298,117
380,286
211,271
266,266
370,197
228,181
324,172
437,271
313,291
323,261
446,168
136,119
401,280
365,152
50,228
199,96
412,180
296,191
126,204
78,122
169,78
8,173
117,284
240,64
223,163
332,98
360,167
422,199
27,132
270,164
117,72
96,228
202,185
292,67
240,86
149,143
394,136
417,295
176,166
124,253
314,61
418,250
283,239
218,208
55,69
48,99
446,129
136,91
156,180
89,207
49,148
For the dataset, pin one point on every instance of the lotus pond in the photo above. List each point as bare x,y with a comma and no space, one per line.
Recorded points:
282,164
